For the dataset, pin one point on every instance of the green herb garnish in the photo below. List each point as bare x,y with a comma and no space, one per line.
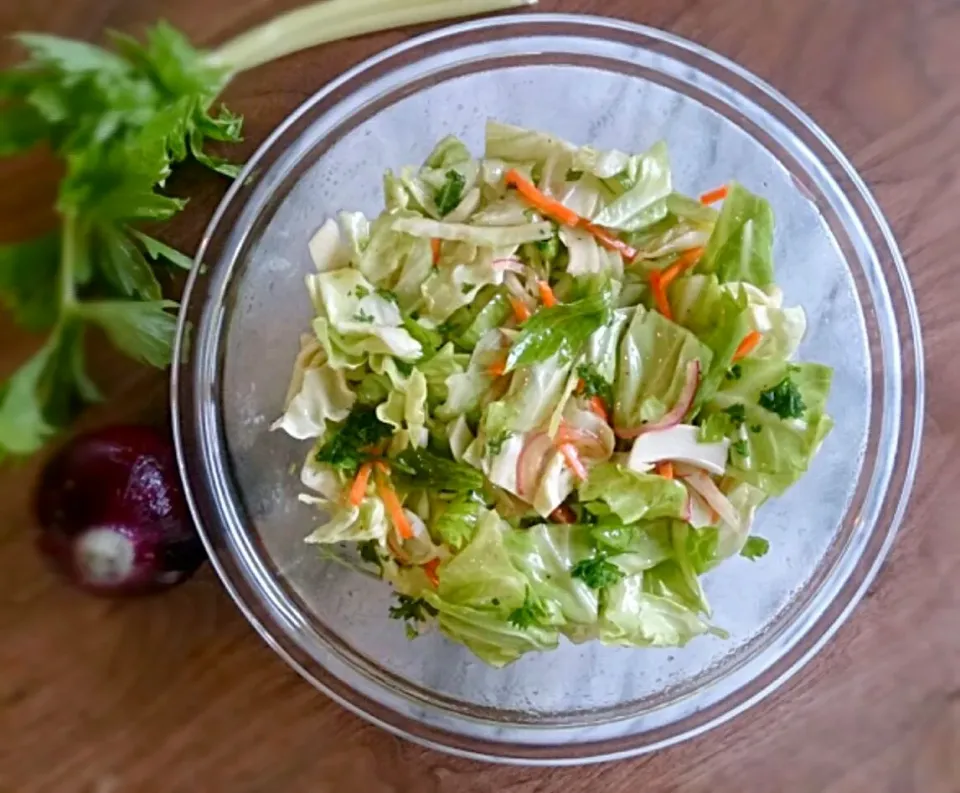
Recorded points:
423,469
573,175
529,614
363,316
594,383
755,547
565,328
784,399
737,414
735,372
449,195
350,446
597,572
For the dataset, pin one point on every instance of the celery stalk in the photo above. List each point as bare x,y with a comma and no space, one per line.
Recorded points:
330,20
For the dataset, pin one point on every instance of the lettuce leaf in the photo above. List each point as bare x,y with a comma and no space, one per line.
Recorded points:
485,236
545,554
768,451
741,245
406,408
654,354
643,203
357,321
632,617
368,521
632,496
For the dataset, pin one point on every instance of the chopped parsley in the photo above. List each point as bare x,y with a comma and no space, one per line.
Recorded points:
361,291
594,383
755,547
466,289
363,316
387,295
348,447
741,448
784,399
737,414
368,553
404,367
449,195
573,175
755,428
597,572
735,372
529,614
410,609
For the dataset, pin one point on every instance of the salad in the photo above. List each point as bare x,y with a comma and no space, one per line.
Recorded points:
545,393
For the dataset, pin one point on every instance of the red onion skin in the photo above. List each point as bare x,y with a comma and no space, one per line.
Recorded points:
113,516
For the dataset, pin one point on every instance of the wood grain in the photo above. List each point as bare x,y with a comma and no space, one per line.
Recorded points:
177,693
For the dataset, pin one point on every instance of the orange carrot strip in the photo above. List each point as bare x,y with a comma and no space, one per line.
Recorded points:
664,469
497,368
569,452
521,313
543,203
748,345
598,406
610,241
713,196
430,568
394,508
359,487
685,261
581,384
435,249
660,295
547,296
563,514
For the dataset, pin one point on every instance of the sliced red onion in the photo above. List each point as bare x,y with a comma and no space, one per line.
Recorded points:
510,263
531,461
676,414
715,499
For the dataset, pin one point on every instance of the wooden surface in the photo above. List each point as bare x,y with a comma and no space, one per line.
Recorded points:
177,693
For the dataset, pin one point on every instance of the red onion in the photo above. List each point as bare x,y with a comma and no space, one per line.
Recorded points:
113,516
531,461
715,499
676,414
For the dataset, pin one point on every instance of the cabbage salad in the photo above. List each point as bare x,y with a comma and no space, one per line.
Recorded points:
546,393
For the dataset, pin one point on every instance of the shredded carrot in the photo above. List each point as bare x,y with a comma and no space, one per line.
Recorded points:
610,241
547,296
359,487
558,212
392,502
521,313
660,295
563,514
664,469
684,262
598,406
748,345
435,249
714,195
430,568
581,384
569,452
543,203
497,368
382,467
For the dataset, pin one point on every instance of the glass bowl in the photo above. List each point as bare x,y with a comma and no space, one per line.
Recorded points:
611,84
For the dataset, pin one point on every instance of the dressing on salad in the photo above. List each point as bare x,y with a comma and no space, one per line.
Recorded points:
546,392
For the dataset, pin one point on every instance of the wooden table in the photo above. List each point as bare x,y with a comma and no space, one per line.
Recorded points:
177,693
